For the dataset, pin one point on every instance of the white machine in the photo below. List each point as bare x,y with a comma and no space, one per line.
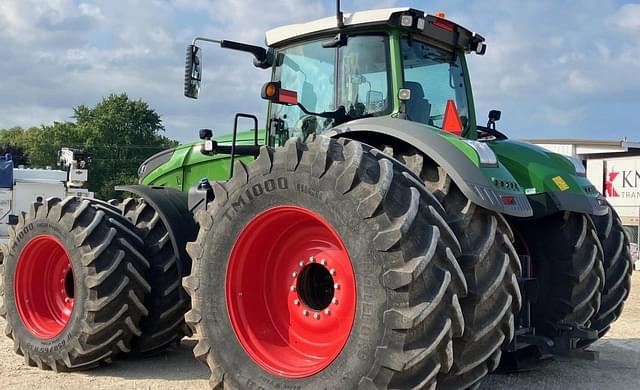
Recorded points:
20,187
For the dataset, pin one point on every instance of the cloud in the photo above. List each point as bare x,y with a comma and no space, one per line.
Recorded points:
628,18
553,68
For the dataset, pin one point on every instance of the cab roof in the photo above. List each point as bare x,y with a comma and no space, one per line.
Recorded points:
292,31
408,19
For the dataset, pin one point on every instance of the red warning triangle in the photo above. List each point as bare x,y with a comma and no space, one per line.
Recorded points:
452,122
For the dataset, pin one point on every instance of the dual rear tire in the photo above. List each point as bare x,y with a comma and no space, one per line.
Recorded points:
618,266
567,262
391,300
491,268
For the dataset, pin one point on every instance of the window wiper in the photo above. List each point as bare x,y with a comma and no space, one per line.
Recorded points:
339,115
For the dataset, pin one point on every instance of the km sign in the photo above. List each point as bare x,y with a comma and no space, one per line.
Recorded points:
625,184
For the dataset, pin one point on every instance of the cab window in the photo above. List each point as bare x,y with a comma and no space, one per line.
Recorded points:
434,76
353,76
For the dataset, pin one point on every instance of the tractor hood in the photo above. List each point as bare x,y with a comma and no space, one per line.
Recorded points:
185,165
550,180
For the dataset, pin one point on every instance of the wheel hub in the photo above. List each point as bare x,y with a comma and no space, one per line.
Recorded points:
315,285
44,287
291,292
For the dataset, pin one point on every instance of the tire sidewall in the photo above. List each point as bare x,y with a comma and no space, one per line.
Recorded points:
60,345
368,331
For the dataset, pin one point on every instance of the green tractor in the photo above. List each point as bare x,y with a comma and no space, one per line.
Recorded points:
372,236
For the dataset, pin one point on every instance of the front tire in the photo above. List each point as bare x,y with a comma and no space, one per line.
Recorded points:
73,284
167,302
395,272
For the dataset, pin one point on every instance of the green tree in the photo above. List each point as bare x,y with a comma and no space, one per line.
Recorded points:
119,133
12,141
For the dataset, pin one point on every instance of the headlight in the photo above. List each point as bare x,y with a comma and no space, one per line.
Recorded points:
577,164
406,21
485,154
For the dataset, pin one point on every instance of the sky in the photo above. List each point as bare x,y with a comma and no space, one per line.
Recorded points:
556,69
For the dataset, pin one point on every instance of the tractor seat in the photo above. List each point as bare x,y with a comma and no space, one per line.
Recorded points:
418,108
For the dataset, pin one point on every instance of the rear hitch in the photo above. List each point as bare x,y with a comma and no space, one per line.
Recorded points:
528,349
569,335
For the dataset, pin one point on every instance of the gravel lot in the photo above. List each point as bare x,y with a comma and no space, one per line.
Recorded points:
618,367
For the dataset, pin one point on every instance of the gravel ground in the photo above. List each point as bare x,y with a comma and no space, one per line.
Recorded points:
617,368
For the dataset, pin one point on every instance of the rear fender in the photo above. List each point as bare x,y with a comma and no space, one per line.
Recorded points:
475,182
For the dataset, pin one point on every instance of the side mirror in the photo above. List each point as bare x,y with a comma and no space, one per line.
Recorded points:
192,72
494,116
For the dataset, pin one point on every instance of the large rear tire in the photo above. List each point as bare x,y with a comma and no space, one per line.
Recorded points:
383,305
567,262
618,267
73,284
491,267
167,302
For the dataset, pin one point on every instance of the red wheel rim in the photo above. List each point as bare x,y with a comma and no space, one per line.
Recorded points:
44,286
291,292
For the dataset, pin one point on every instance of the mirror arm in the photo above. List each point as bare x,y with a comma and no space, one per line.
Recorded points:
262,56
196,39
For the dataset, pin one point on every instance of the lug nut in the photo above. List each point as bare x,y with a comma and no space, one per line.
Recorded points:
294,274
296,302
323,262
305,312
327,311
334,300
292,288
332,271
316,316
301,263
336,286
312,259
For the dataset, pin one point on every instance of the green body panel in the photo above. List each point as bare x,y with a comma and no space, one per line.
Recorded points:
536,168
396,71
500,176
188,166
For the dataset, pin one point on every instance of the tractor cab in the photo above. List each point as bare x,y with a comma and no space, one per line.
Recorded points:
398,63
